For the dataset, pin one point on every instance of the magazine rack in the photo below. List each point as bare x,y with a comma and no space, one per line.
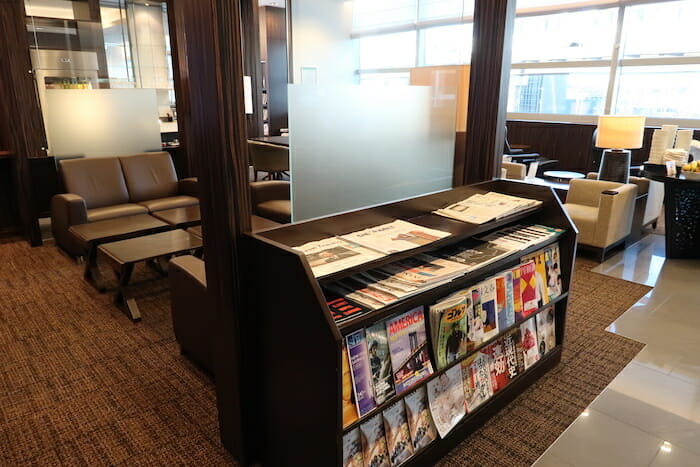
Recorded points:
292,346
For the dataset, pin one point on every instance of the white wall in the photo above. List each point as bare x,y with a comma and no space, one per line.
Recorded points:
321,40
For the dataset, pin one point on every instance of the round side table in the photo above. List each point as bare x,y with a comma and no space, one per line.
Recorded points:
562,176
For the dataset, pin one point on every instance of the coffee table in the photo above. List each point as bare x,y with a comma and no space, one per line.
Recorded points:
92,234
180,217
124,254
562,176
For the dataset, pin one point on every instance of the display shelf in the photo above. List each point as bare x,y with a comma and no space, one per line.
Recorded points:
292,348
395,398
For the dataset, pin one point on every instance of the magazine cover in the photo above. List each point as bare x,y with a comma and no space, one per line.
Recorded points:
335,254
451,319
474,255
395,236
528,288
489,314
553,272
360,371
343,309
349,407
546,333
517,295
352,449
510,301
374,451
514,352
398,438
500,376
501,301
476,322
341,290
529,343
476,374
540,276
446,398
369,293
420,422
380,362
407,345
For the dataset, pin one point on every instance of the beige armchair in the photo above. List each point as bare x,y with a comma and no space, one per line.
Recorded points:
602,211
514,171
654,201
271,200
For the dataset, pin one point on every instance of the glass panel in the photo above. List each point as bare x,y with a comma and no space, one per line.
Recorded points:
384,79
665,29
582,35
370,14
448,45
441,9
117,47
571,91
388,50
355,146
660,91
102,122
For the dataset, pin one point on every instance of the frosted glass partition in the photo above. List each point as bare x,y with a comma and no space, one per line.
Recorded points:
102,122
355,146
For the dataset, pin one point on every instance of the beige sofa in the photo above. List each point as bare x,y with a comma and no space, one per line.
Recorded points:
112,187
602,212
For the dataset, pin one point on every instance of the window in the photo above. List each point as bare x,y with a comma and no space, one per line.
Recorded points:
448,45
388,51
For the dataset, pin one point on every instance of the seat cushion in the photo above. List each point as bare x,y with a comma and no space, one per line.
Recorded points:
279,210
98,180
111,212
585,219
150,175
170,202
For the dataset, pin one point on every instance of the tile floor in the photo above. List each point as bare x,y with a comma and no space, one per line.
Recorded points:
649,415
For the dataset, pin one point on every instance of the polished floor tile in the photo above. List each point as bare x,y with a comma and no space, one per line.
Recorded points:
675,456
639,263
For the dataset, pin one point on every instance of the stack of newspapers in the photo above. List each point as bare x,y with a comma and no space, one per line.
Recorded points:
482,208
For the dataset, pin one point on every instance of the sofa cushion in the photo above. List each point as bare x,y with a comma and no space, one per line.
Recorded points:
111,212
279,210
172,202
149,176
585,219
98,180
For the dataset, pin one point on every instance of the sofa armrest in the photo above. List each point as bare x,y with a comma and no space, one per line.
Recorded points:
66,210
269,191
189,186
615,214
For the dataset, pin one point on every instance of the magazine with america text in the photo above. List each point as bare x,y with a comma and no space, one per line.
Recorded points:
410,360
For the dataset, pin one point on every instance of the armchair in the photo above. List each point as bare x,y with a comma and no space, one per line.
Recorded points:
271,200
514,171
602,211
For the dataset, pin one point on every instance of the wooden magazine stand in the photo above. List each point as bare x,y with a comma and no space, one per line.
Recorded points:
292,347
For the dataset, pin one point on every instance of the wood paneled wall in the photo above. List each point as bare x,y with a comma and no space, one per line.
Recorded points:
210,72
250,16
569,143
21,125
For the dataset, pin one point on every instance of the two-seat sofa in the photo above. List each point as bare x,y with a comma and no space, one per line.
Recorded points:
112,187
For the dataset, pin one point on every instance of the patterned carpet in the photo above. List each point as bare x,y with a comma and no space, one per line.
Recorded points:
80,384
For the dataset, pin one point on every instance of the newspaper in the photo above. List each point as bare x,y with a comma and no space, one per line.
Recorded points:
335,254
395,236
482,208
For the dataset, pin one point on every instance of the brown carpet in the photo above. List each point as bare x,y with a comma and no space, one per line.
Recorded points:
591,358
80,384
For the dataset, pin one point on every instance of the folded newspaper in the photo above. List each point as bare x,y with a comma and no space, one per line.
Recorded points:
335,254
519,237
479,209
395,236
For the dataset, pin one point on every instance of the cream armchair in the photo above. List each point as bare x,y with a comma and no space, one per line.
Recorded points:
654,201
602,211
514,171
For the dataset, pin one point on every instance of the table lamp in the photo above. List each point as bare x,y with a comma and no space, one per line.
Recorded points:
618,134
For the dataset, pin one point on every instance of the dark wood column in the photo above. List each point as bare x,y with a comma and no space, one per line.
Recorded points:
21,124
488,89
210,73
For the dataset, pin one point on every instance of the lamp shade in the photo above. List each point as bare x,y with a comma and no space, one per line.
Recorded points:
617,132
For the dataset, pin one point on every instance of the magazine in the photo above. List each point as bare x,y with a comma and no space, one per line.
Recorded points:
343,309
540,276
553,272
475,329
335,254
489,314
420,422
360,371
352,449
449,321
519,237
408,348
380,362
340,289
482,208
500,376
446,397
422,270
529,343
510,301
501,301
514,353
374,450
474,255
398,438
517,295
476,320
477,380
395,236
528,288
367,292
546,332
349,407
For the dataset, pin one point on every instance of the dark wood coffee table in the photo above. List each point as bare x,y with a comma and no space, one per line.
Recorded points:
93,234
180,217
124,254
